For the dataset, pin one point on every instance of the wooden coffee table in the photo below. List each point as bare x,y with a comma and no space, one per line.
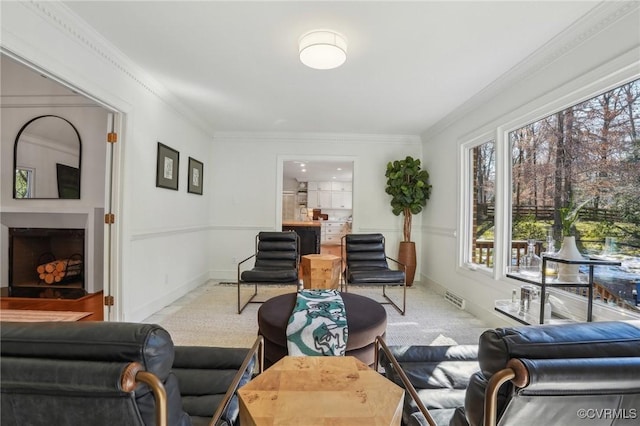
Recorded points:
320,390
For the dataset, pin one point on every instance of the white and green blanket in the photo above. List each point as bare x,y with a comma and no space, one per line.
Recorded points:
318,324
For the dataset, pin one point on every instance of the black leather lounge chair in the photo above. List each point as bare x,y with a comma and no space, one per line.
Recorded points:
276,262
109,373
366,264
552,374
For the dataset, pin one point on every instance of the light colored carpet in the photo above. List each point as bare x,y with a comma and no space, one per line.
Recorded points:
208,316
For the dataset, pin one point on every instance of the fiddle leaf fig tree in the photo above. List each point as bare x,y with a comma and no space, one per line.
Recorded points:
408,185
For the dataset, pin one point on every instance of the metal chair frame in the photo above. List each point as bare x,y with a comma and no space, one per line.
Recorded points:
241,305
381,345
389,301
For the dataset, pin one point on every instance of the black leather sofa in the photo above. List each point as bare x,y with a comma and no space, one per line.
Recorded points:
569,374
105,373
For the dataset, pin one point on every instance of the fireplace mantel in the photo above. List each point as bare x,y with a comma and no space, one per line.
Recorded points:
91,220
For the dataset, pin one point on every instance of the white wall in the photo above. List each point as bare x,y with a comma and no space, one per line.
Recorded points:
91,123
161,234
171,241
596,54
247,178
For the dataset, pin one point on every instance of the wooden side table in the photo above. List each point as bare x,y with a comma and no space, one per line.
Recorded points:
320,390
320,271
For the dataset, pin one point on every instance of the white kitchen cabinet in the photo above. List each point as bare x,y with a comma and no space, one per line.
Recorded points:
324,186
329,195
332,232
319,199
341,186
341,200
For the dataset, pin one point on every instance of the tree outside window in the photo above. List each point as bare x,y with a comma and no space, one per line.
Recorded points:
483,165
588,154
24,183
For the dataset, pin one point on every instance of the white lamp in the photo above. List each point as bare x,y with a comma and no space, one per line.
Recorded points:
323,49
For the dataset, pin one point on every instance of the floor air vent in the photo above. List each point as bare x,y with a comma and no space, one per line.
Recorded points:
454,299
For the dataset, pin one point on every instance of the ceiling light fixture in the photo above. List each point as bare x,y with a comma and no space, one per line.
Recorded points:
322,49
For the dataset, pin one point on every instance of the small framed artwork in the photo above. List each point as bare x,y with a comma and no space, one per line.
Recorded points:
195,176
167,167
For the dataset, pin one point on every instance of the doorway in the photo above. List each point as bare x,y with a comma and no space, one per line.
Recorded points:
28,92
319,190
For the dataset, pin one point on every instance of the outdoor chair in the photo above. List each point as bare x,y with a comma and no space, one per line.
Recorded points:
276,262
366,265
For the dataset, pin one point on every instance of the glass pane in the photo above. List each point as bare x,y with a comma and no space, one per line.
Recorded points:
483,162
577,172
24,183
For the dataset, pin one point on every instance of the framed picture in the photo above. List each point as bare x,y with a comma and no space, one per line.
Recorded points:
195,176
167,168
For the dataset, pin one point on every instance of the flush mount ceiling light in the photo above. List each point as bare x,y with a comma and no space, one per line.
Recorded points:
323,49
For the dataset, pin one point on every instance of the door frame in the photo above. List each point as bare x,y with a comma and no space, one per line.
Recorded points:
112,281
310,158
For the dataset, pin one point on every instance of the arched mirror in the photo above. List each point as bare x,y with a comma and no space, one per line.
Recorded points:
46,159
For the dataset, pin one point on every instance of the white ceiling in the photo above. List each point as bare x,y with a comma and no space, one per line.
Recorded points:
318,171
409,64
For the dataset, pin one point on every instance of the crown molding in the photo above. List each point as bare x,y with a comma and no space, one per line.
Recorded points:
598,19
71,25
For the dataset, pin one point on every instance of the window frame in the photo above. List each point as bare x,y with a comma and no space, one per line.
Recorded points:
31,181
565,95
466,203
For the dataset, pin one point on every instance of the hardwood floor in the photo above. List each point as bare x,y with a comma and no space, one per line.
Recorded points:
91,303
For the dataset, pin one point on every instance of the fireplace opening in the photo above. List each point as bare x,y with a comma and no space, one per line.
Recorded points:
46,263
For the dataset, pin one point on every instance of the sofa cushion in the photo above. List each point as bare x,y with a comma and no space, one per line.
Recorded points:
440,375
205,374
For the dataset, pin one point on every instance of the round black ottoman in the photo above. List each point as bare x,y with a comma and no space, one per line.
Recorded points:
366,319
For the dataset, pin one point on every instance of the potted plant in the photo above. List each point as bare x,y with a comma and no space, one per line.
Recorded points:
408,185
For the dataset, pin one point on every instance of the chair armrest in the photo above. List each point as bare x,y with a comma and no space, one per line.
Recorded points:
381,345
564,377
402,265
243,261
256,351
248,258
156,386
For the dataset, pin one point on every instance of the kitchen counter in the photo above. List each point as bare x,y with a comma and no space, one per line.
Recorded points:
303,223
309,233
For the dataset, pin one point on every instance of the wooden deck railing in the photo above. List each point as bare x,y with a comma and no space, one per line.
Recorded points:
483,252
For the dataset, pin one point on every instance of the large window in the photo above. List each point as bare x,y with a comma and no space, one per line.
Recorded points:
585,158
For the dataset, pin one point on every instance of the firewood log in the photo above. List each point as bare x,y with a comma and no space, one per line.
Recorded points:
57,265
